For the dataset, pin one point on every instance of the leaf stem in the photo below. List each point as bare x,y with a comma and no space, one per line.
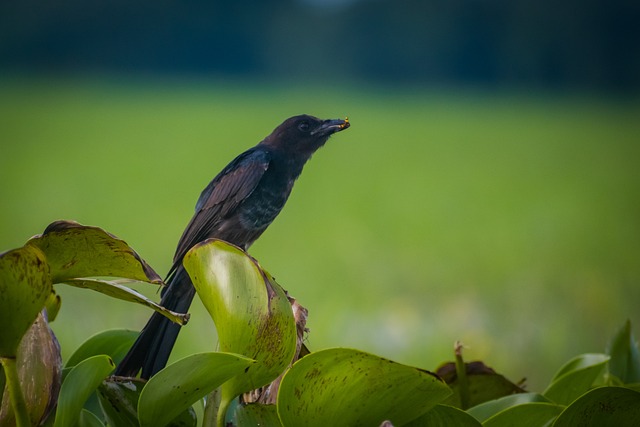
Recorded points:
18,403
461,372
211,409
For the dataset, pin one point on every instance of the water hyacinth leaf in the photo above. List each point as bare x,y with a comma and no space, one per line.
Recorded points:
115,289
178,386
39,367
533,414
78,385
603,406
114,343
625,356
486,410
119,403
254,414
251,312
575,378
118,399
445,416
343,386
25,285
89,419
74,250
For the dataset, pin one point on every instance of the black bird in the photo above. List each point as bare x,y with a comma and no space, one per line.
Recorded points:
237,206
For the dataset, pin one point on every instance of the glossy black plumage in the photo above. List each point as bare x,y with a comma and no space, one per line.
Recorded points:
237,206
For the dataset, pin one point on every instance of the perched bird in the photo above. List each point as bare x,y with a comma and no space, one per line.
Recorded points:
237,206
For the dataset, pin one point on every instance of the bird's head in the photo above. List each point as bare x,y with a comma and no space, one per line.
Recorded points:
304,134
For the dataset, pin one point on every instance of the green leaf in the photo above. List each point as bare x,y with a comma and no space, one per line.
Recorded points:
603,406
39,367
178,386
25,285
254,414
251,312
342,386
89,419
575,378
114,289
74,250
114,343
633,386
534,414
486,410
625,355
78,385
444,416
118,399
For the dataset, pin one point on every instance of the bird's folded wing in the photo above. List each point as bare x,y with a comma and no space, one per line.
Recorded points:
221,197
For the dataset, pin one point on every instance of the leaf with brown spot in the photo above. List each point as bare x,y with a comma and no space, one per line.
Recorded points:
74,250
25,285
342,386
250,310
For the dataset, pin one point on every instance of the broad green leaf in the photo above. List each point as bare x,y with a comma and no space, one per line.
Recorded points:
74,250
603,406
178,386
625,355
444,416
575,378
534,414
78,385
254,414
251,312
118,399
115,290
633,386
39,367
486,410
25,285
89,419
484,384
114,343
342,386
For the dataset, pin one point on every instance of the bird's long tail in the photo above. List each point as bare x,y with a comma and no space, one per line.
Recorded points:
151,350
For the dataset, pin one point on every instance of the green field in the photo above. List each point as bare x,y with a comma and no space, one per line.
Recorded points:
505,220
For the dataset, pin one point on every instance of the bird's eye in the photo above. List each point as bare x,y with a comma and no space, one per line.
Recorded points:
304,126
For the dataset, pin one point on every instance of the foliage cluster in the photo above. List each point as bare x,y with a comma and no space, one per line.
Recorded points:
258,347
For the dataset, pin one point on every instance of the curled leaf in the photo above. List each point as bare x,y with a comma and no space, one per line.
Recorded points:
116,290
251,312
74,250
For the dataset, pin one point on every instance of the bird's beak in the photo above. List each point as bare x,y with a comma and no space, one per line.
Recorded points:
332,126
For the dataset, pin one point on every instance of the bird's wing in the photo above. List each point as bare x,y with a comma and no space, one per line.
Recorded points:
221,197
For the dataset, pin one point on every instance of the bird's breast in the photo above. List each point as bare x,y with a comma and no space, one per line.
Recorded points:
264,204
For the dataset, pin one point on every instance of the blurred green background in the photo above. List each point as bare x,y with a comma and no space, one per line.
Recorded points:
498,209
